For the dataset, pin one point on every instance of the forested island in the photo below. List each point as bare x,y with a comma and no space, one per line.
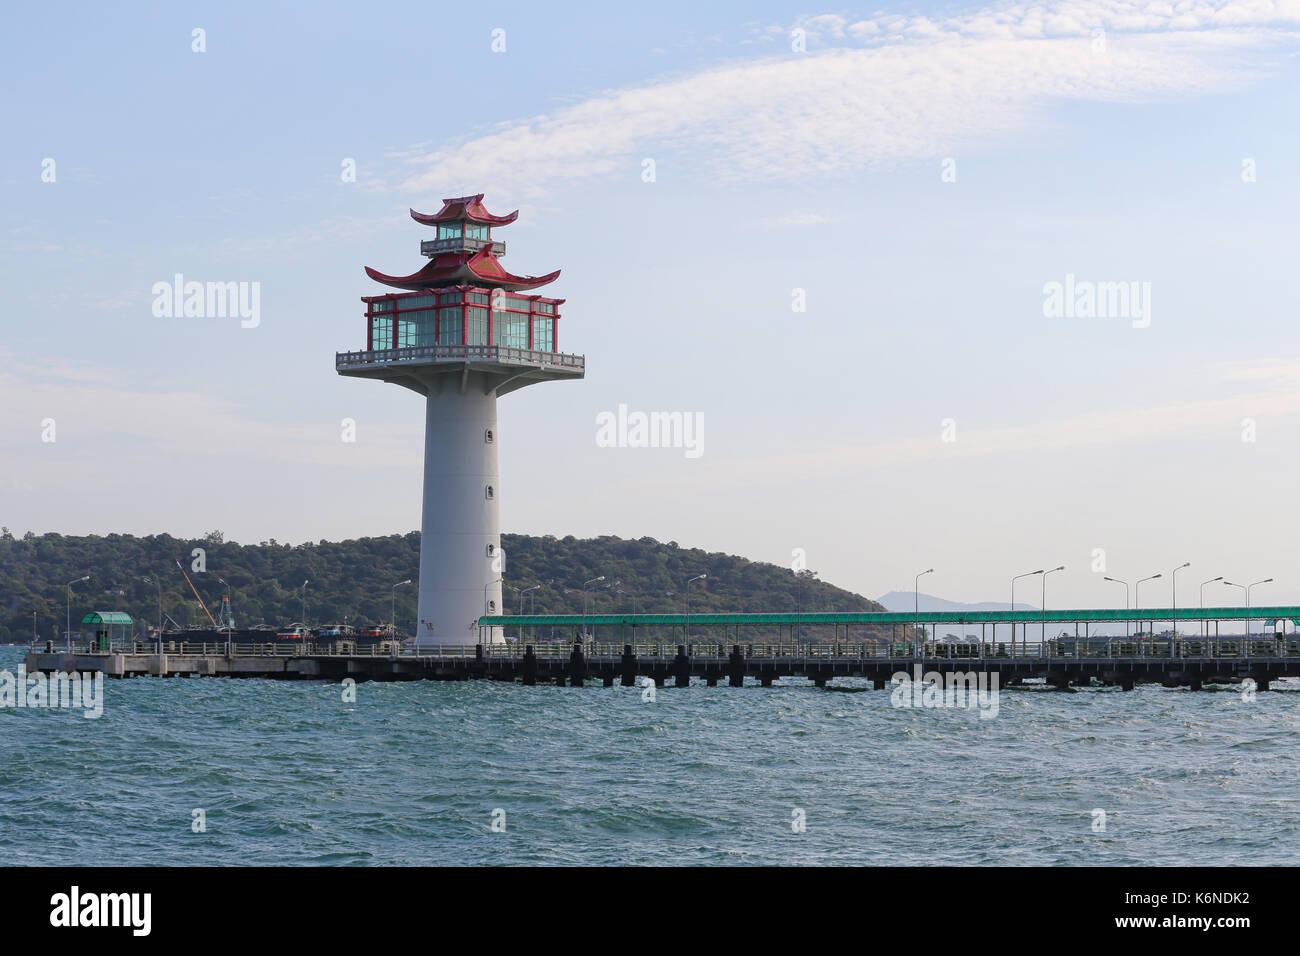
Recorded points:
353,581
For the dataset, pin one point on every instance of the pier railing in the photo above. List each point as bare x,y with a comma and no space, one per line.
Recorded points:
1052,649
974,650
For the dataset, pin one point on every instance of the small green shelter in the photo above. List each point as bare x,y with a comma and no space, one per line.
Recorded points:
104,623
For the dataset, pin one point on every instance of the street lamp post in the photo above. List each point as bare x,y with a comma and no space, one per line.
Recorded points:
686,606
1027,574
521,592
1205,629
1245,594
157,581
622,591
584,603
1173,585
916,601
1042,634
1246,588
1137,594
1125,583
532,609
68,632
304,602
231,623
392,610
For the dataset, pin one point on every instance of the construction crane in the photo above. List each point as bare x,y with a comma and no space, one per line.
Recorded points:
196,593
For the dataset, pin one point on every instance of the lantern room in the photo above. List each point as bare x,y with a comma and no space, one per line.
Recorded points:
462,315
462,224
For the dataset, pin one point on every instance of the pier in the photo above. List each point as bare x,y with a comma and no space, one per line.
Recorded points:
717,652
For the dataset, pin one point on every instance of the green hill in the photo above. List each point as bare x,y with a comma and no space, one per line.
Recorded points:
353,580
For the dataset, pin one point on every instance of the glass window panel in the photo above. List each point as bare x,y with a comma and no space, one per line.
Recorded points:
449,230
406,331
510,330
381,333
449,328
543,334
478,327
423,323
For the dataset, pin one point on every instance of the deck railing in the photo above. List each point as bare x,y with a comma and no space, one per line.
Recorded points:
459,353
1056,649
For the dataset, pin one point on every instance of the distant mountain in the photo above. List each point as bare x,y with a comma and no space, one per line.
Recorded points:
904,601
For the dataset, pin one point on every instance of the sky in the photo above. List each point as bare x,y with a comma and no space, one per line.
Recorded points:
829,236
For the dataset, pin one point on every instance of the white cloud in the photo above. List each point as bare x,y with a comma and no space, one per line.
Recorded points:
892,89
796,219
1274,398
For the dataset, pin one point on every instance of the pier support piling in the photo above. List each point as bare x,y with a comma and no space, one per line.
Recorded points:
736,667
577,666
682,667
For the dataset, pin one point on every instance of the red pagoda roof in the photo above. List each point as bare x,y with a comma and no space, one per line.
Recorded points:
472,268
465,207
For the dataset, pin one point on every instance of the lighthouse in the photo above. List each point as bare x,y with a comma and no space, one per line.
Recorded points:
461,331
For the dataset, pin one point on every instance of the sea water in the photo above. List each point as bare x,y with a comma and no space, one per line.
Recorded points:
218,771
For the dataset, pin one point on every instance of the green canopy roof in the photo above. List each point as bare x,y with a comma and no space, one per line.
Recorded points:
107,617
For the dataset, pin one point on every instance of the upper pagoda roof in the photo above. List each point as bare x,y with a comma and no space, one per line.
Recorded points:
464,207
467,268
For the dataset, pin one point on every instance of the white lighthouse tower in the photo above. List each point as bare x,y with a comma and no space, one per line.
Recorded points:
465,332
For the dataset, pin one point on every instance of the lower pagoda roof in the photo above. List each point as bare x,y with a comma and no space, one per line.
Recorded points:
469,268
